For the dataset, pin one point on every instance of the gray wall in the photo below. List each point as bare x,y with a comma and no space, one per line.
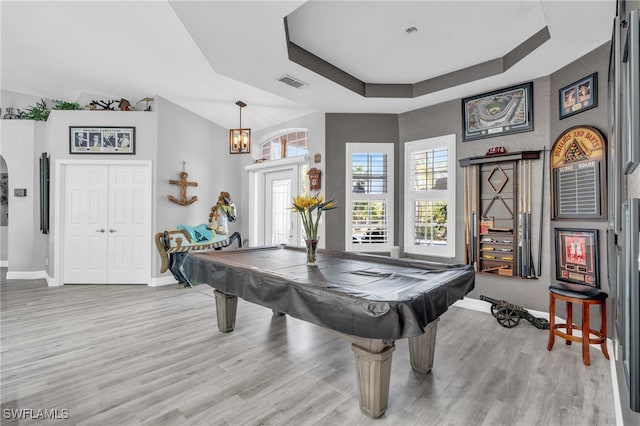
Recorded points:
185,136
595,61
446,118
353,128
17,147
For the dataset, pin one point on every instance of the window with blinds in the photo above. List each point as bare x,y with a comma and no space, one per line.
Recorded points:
369,195
430,197
285,145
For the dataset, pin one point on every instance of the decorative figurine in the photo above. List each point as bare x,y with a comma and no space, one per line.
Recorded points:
124,105
147,105
509,315
175,244
105,105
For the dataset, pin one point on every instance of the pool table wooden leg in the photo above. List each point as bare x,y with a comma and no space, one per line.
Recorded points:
373,373
422,348
226,307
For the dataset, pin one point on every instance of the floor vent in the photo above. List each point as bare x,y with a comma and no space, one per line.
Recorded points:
293,82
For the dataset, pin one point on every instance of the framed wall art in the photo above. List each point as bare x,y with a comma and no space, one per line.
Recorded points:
578,166
102,140
577,258
498,113
579,96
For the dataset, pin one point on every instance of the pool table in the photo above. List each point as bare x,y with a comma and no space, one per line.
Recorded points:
369,300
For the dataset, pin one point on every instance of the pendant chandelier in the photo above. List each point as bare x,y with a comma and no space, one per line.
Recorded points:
240,139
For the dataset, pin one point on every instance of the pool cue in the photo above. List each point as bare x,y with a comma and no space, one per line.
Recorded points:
519,231
466,217
544,157
532,272
474,207
525,226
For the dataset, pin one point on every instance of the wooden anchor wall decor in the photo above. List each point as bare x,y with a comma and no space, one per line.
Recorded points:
183,200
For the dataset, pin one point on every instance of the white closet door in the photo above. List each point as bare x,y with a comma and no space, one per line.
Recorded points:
107,225
85,224
129,224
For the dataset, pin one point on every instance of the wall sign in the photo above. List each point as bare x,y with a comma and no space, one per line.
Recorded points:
577,174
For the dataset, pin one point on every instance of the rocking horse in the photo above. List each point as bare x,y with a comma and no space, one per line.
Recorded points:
175,244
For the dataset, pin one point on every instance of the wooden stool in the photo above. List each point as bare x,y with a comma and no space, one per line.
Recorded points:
586,296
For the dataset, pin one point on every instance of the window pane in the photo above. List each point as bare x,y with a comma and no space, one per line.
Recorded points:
295,143
369,222
429,169
280,199
430,223
369,173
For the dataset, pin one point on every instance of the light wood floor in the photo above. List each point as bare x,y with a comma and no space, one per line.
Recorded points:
120,355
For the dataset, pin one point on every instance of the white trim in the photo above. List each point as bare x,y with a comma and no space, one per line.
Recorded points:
273,134
351,148
447,250
26,275
4,263
57,231
52,282
281,132
276,163
162,281
617,403
257,176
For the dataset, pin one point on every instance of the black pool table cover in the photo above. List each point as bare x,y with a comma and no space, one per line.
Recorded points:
369,296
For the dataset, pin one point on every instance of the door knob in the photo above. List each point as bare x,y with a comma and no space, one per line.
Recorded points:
113,230
100,230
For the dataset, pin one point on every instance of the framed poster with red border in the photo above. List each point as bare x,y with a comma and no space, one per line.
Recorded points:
578,166
577,256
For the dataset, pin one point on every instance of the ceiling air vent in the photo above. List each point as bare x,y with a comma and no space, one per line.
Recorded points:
293,82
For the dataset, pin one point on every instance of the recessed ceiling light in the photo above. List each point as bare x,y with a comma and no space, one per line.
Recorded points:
411,30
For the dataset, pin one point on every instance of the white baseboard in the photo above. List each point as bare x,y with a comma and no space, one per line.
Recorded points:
26,275
53,282
482,306
473,304
162,281
4,263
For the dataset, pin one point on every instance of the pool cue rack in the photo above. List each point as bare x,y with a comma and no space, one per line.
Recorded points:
498,212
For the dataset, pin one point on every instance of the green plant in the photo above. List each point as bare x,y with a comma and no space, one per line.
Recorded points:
39,112
64,105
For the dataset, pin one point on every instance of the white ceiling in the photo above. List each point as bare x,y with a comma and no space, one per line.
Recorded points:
206,55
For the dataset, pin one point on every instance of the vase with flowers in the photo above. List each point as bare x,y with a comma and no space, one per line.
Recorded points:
310,208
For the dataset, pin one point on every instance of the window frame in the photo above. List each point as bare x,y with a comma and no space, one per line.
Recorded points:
448,195
279,134
387,148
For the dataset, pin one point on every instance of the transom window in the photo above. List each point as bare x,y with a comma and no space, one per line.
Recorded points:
285,145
